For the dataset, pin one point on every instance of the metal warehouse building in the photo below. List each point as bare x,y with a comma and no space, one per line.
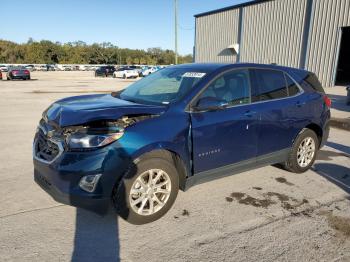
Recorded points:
310,34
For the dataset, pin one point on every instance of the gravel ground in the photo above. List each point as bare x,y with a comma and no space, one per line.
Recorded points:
265,214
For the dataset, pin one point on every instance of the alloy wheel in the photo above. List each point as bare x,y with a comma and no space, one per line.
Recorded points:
306,152
150,192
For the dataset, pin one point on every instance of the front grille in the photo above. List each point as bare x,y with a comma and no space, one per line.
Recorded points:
44,148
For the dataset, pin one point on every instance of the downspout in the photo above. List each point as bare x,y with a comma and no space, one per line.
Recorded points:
305,45
240,34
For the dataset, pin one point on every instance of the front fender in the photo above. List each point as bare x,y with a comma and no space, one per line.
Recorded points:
166,132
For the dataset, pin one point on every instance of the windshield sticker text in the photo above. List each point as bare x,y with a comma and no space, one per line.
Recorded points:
194,74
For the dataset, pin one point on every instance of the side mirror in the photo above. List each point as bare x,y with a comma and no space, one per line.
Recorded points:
210,104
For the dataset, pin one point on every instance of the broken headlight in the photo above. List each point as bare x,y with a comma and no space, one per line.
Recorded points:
87,139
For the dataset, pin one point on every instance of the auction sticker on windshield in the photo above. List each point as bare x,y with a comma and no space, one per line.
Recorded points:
194,74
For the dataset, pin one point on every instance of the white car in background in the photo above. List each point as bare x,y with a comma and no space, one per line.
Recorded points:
3,68
126,72
149,70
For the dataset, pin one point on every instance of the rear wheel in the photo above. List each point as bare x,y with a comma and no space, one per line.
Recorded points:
146,194
303,153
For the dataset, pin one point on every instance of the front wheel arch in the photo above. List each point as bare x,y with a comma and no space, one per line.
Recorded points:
167,154
170,156
162,159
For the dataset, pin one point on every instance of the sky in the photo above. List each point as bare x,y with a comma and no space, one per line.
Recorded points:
137,24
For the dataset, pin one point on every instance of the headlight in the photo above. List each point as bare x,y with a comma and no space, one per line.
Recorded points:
83,140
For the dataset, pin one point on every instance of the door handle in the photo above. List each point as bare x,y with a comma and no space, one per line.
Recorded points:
249,113
300,104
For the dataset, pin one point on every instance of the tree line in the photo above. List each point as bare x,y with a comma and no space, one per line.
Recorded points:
48,52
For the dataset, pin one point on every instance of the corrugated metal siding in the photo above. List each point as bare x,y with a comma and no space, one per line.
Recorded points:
214,33
273,32
329,17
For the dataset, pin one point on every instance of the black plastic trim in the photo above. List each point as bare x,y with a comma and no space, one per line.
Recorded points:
242,166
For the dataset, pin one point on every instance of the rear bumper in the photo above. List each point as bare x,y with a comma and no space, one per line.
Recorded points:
20,76
326,128
325,135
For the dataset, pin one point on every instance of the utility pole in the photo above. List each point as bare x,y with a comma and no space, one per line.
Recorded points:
175,7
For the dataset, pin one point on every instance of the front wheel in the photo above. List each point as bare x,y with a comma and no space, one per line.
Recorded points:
303,153
124,76
148,192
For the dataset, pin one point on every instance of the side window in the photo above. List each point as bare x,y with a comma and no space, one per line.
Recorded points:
271,83
232,88
293,89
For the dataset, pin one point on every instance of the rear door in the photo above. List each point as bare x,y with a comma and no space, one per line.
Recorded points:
227,135
280,108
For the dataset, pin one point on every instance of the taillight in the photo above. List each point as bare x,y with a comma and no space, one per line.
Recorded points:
15,72
327,101
26,72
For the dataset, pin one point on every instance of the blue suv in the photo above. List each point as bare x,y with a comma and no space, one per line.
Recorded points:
178,127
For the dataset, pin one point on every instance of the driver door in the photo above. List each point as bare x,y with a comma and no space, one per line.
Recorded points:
227,135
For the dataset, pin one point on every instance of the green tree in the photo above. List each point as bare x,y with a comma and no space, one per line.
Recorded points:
78,52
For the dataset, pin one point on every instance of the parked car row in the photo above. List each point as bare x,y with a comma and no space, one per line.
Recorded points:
125,72
6,68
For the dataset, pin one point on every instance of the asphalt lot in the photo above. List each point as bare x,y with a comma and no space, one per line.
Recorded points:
266,214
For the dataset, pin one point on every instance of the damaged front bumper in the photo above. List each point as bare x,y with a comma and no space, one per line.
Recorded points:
61,177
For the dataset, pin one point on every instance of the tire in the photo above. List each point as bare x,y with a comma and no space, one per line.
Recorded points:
294,162
124,76
114,76
122,197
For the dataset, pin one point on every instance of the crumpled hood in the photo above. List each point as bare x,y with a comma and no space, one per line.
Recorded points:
79,110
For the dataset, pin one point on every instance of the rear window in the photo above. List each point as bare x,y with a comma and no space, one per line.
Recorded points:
313,82
271,85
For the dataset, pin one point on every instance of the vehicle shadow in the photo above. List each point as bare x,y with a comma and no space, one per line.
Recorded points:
335,173
97,233
339,102
342,148
96,237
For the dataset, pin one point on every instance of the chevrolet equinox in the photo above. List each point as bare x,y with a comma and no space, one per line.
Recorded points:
178,127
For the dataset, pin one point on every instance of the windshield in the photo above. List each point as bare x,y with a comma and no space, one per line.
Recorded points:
164,86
